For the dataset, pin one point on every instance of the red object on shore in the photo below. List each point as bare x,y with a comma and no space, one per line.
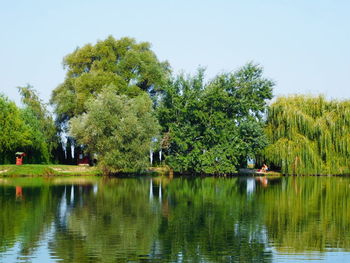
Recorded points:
83,160
19,158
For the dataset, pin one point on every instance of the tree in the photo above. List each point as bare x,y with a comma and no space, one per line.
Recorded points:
117,129
14,133
309,135
38,149
43,131
130,66
212,127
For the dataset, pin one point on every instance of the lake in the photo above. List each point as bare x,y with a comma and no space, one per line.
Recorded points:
241,219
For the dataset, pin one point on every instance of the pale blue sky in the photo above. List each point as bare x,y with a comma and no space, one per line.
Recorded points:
304,45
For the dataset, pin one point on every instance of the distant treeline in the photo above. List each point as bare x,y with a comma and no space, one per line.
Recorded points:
118,102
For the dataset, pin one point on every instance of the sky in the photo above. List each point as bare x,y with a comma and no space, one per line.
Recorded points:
303,45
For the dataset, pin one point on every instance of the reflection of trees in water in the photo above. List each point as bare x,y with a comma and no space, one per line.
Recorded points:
210,219
116,223
25,219
189,219
309,213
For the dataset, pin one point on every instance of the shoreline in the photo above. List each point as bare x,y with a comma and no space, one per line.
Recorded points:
53,170
46,170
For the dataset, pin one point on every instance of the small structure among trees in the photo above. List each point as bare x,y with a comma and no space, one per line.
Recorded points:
19,158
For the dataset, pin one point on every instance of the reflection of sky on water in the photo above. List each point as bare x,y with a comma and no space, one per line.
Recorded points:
250,185
44,255
41,254
72,194
151,190
326,257
155,190
63,206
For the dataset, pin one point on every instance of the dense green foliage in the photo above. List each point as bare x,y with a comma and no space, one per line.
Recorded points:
119,130
38,150
42,129
214,127
131,67
30,129
14,133
309,135
106,104
107,93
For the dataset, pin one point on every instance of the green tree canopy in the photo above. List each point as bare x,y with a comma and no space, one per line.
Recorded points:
118,129
38,149
213,127
130,66
309,135
43,131
14,133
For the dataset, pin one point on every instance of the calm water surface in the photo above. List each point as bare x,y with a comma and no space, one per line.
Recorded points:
89,219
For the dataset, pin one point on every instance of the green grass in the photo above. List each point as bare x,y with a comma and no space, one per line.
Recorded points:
52,170
34,170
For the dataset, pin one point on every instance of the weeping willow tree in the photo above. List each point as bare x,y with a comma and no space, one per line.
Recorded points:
309,135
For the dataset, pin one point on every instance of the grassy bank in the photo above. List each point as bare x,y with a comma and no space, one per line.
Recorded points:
34,170
46,170
40,170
